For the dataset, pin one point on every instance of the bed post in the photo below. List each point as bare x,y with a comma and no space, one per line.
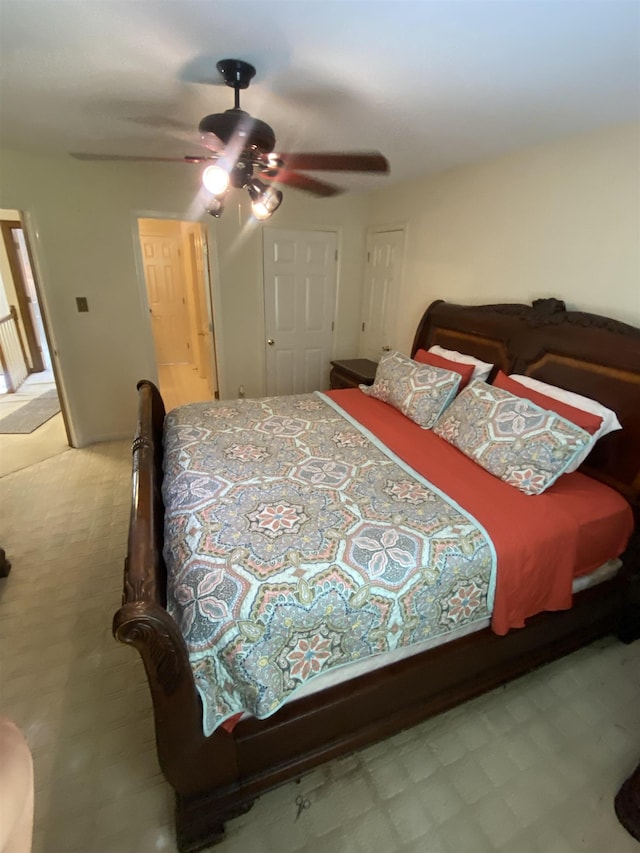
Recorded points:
628,627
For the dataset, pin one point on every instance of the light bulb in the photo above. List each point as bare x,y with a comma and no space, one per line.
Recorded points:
216,180
267,203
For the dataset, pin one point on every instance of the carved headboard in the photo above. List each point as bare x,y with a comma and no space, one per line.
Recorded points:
586,353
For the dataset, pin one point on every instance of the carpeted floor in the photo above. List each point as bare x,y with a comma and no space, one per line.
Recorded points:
532,767
32,415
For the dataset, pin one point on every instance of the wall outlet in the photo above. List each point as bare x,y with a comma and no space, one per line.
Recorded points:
82,304
240,390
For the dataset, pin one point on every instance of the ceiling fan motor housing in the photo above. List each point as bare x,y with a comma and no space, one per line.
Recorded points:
239,126
236,72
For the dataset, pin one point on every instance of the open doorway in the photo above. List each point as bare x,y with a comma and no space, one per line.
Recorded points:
32,426
176,275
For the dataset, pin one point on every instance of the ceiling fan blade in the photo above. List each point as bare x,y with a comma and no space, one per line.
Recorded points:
133,158
336,161
303,182
161,122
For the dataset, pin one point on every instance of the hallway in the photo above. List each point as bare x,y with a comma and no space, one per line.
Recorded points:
180,384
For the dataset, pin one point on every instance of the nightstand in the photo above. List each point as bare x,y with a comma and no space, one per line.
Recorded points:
352,372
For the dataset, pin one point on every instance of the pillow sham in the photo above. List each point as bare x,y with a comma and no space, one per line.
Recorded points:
610,422
481,369
511,437
465,370
586,420
419,391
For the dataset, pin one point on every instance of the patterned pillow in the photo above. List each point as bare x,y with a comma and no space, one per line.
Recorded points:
511,437
419,391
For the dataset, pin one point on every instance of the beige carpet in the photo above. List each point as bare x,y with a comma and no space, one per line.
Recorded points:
530,768
21,451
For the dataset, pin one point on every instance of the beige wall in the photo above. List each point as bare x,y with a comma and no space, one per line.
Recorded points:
81,218
558,220
239,261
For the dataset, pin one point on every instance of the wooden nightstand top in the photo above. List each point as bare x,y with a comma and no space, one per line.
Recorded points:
361,369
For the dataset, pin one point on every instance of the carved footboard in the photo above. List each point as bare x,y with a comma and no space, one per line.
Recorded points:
191,763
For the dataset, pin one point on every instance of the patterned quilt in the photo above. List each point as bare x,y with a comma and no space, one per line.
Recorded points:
296,542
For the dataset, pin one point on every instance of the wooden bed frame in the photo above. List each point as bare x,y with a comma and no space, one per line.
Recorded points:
217,777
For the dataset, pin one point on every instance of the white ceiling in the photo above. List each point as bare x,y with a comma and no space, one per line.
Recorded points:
430,84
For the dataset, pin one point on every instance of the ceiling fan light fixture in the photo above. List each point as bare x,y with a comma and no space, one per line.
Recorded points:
216,180
264,200
237,143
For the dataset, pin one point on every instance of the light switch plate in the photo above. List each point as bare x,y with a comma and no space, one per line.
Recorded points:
81,302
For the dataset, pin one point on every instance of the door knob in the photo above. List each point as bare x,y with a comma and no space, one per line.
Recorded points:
271,342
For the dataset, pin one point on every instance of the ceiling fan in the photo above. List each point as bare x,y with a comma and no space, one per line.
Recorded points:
239,144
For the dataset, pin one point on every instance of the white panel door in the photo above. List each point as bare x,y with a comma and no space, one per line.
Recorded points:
381,291
299,299
164,278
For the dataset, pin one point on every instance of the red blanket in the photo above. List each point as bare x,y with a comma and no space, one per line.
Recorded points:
542,542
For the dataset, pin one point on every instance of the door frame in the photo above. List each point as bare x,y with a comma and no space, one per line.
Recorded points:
35,356
36,259
337,230
370,231
212,282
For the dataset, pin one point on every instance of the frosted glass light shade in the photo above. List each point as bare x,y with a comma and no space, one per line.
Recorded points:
216,180
266,203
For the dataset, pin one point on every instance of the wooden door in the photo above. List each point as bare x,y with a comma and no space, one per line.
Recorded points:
381,291
166,293
22,276
299,290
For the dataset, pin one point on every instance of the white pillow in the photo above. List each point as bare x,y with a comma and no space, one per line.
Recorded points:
481,368
610,422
